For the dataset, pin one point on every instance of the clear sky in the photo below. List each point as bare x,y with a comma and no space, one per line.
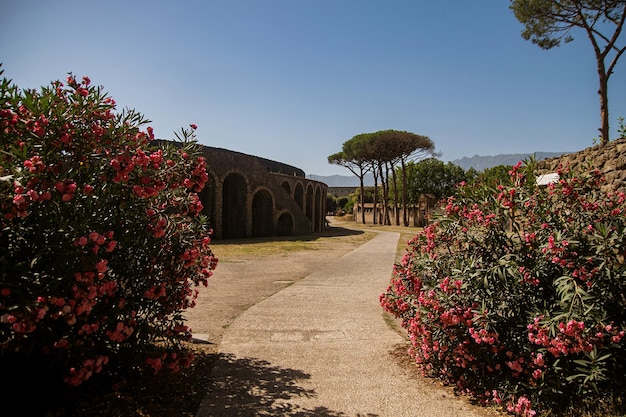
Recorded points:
291,80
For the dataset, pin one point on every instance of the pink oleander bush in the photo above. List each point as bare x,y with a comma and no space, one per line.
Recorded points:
516,294
102,244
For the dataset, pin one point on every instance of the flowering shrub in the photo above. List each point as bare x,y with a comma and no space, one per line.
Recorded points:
516,295
101,239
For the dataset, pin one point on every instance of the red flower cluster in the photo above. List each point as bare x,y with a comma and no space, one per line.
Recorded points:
515,291
101,240
572,337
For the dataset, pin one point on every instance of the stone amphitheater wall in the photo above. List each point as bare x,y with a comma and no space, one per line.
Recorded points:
249,196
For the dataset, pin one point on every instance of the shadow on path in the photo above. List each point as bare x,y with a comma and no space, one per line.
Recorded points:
331,231
251,387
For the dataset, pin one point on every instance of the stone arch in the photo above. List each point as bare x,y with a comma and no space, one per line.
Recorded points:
284,226
309,202
234,202
262,214
207,198
317,223
298,195
287,187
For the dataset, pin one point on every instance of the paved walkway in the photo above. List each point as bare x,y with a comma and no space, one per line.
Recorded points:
320,347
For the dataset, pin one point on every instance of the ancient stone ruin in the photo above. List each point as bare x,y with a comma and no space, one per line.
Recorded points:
610,159
248,196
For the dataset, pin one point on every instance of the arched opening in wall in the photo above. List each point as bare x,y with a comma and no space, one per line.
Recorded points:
285,225
298,195
207,198
309,202
287,187
262,214
317,224
234,200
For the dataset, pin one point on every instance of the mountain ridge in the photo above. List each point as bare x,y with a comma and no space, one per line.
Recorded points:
478,162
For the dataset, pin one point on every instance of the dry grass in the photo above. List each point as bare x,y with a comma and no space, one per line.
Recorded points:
227,250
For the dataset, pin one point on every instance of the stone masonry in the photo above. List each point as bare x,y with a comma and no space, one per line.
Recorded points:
610,159
249,196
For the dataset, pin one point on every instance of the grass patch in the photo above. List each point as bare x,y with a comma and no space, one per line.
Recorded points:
230,250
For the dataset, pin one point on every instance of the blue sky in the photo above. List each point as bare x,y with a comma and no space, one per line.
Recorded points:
291,80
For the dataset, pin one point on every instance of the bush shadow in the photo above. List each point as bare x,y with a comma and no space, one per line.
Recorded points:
329,231
248,387
332,231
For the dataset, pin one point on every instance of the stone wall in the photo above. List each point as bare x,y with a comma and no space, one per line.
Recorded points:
249,196
610,159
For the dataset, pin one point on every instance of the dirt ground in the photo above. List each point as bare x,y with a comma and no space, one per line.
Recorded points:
241,282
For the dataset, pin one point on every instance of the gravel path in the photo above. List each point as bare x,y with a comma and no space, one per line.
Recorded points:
318,346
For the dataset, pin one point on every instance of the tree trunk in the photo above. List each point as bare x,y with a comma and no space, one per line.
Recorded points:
405,219
362,196
603,76
395,196
375,211
604,106
384,181
386,197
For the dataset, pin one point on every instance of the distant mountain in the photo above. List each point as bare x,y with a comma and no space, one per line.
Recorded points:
342,180
480,163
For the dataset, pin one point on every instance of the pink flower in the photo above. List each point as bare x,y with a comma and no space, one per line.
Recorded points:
515,366
61,344
111,246
8,318
101,266
33,195
18,200
155,363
